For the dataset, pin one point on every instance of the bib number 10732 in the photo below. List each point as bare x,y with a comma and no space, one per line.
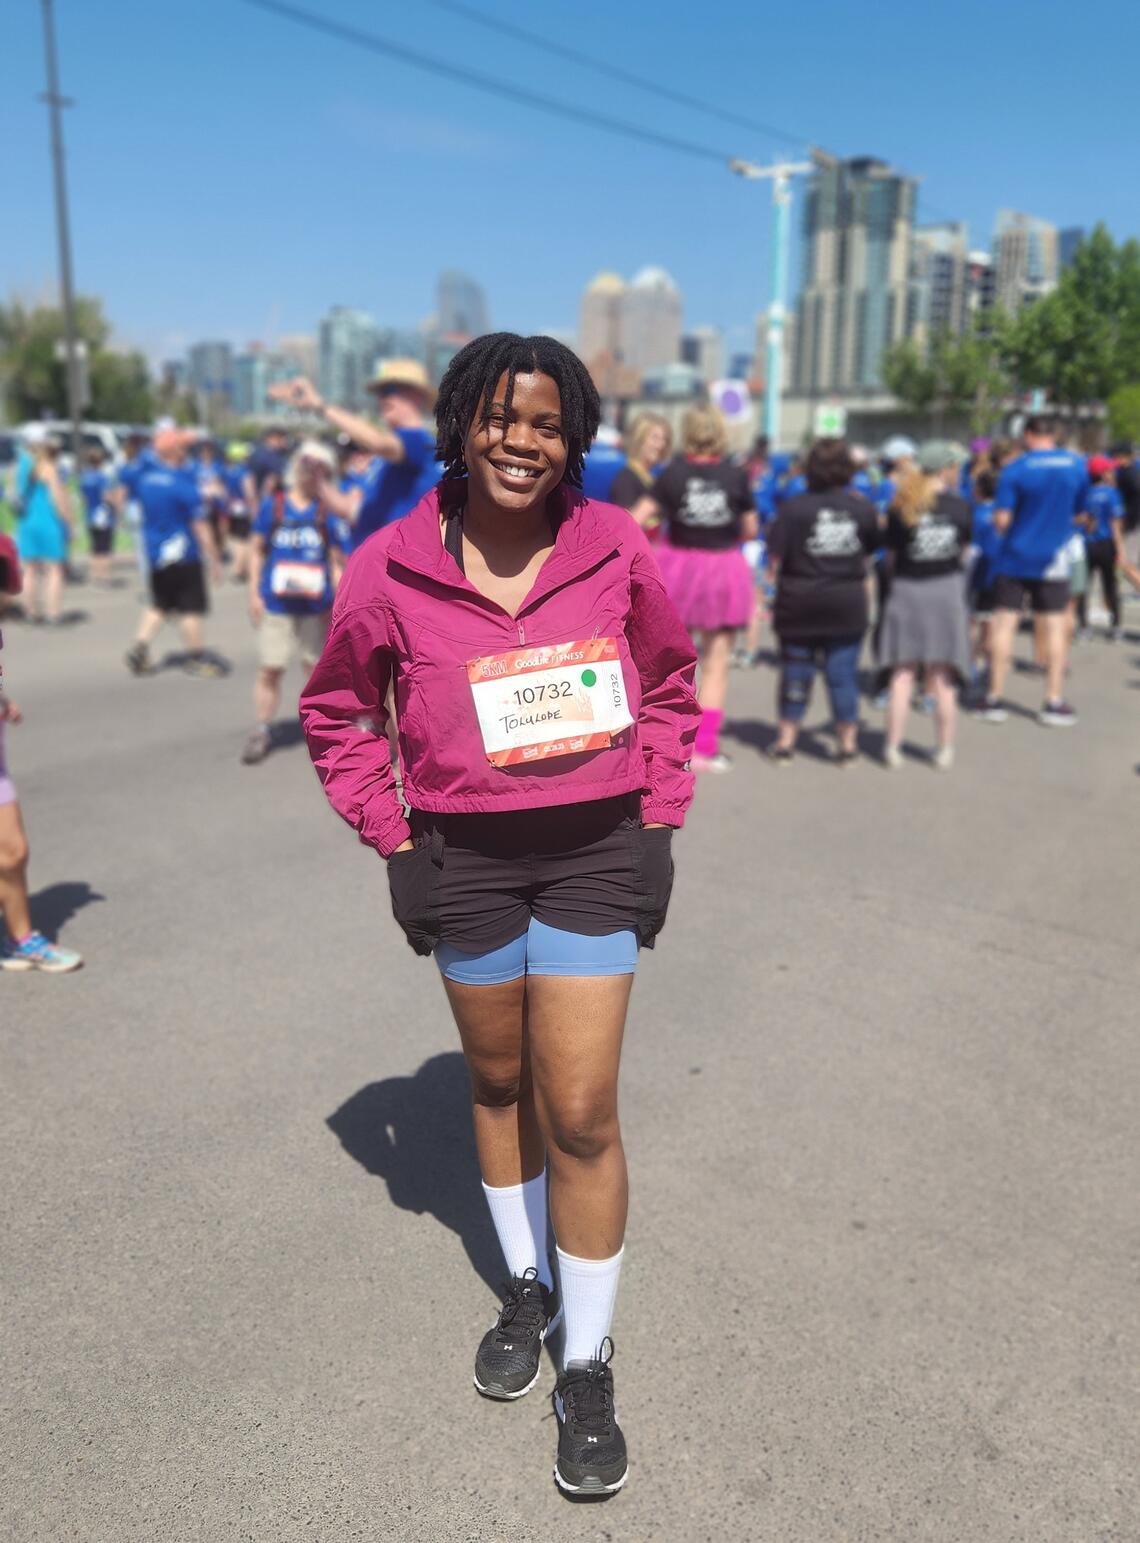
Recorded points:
558,699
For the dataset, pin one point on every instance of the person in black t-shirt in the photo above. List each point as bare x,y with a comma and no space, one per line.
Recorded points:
648,441
818,550
707,505
926,625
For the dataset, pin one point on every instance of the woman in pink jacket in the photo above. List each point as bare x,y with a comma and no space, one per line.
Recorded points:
544,700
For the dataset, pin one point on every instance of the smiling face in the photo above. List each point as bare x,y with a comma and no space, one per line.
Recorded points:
516,459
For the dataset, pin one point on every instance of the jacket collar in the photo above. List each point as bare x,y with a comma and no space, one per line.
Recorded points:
580,544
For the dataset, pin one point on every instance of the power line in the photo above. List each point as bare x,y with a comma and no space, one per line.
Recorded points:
600,66
487,83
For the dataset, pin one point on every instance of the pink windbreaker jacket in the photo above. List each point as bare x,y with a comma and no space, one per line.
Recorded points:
405,613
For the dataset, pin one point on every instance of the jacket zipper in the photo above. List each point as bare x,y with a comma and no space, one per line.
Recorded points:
522,632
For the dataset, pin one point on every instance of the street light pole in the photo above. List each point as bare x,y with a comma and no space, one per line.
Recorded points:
63,230
780,175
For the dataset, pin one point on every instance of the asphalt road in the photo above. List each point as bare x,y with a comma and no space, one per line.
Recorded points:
880,1098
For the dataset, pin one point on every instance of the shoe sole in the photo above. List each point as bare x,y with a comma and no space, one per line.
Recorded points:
502,1395
1048,722
20,965
590,1487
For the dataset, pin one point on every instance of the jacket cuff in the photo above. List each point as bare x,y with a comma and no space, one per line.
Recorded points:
388,837
656,811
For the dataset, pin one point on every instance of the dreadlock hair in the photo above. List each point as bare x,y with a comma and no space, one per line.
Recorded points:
468,389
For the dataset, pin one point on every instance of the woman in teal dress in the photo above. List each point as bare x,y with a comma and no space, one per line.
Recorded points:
43,528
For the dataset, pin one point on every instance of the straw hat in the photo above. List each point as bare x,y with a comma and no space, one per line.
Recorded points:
403,372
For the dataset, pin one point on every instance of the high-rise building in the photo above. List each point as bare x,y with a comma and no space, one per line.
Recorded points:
939,281
211,373
650,331
600,319
461,306
347,349
251,380
858,221
1068,242
299,352
981,282
1025,257
703,348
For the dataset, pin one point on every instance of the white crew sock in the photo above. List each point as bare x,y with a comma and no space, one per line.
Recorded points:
519,1214
589,1287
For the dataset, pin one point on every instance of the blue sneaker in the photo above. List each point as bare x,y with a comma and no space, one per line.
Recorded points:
36,953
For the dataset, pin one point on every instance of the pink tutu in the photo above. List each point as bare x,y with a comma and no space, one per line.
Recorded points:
711,590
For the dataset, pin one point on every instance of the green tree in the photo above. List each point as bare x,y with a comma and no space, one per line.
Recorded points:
954,377
1124,413
121,390
1081,342
35,377
908,375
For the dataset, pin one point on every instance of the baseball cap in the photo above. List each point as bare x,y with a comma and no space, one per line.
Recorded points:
938,454
899,448
1100,465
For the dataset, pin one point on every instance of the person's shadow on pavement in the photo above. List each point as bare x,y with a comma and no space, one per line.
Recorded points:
415,1133
52,908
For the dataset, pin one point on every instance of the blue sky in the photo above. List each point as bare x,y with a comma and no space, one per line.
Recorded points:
232,175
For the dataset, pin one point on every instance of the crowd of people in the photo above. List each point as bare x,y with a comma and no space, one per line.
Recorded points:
936,552
555,668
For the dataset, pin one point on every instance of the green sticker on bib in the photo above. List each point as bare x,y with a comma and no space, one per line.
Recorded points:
589,678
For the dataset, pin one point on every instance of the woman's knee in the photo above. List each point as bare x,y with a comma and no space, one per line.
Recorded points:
13,850
583,1127
496,1084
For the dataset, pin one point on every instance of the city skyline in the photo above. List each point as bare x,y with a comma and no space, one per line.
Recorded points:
871,276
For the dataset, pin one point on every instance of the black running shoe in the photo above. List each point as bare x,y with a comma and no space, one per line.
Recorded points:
508,1358
591,1448
138,659
1057,715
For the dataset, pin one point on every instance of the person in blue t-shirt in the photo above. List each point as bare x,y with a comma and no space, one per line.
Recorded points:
177,538
604,460
296,559
1039,496
97,485
136,451
1103,521
406,467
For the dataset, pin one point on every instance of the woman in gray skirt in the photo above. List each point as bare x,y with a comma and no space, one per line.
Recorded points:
925,626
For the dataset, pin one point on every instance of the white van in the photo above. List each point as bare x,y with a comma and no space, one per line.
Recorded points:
92,436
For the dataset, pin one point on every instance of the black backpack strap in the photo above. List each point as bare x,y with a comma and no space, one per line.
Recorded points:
453,538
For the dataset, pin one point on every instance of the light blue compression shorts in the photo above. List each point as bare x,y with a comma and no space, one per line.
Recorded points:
541,950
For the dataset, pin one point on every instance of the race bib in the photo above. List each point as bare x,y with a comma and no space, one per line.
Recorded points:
557,699
297,581
101,518
173,550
